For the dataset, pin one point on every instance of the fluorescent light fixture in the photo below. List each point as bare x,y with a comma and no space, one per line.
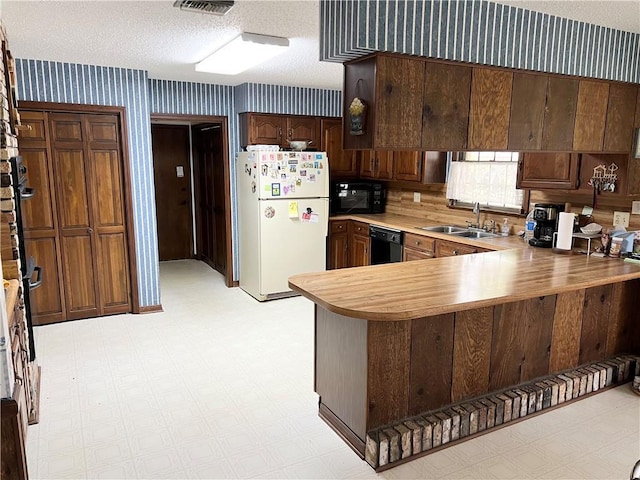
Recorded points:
242,53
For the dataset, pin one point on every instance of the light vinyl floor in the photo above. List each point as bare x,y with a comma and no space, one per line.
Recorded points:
221,386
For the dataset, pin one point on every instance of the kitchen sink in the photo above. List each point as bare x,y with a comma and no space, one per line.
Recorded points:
445,229
474,234
457,231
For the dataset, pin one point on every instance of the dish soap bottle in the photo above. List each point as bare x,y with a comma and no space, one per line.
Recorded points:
505,228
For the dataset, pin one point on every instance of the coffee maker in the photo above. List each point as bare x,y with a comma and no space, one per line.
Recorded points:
546,217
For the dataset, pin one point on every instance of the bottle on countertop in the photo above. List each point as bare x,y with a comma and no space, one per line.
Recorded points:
529,227
505,228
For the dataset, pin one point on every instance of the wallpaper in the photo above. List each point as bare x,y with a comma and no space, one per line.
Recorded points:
477,31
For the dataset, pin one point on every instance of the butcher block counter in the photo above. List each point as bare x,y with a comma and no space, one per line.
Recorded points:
420,338
406,290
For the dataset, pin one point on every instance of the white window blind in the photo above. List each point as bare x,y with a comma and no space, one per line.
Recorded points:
485,177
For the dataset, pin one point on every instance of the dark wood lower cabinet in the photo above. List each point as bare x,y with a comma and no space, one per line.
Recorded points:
415,366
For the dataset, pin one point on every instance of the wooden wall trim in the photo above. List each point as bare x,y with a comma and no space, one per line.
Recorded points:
151,309
224,122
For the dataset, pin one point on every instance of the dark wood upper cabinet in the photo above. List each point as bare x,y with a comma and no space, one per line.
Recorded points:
447,90
527,111
342,163
588,161
399,102
257,129
539,170
376,164
273,129
560,114
490,109
618,134
408,165
591,113
303,128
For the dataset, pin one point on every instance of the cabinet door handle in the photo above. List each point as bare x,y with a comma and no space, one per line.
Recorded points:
280,133
455,252
290,133
89,230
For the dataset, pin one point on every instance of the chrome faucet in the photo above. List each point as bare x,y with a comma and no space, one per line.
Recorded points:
476,210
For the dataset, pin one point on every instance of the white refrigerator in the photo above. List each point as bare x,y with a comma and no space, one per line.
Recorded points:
283,214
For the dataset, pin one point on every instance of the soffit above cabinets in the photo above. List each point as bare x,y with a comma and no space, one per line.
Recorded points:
155,36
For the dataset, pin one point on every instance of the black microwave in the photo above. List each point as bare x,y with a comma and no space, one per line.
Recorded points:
357,197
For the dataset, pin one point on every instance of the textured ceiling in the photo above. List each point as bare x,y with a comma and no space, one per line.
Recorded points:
155,36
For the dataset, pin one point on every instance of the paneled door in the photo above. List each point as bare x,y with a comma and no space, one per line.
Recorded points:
87,171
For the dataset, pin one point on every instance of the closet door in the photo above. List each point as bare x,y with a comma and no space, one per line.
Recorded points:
105,178
75,215
89,183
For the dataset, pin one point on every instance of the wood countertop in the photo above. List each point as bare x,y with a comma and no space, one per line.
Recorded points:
407,290
412,224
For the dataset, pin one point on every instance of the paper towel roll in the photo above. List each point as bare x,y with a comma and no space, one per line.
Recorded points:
565,231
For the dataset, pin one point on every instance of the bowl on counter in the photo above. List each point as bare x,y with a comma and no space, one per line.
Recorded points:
591,229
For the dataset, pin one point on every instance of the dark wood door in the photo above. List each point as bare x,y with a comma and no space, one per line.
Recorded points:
527,111
338,251
490,109
408,166
359,249
540,170
446,106
384,165
266,130
89,182
560,114
305,129
40,219
75,215
618,135
210,195
172,174
342,163
591,113
398,116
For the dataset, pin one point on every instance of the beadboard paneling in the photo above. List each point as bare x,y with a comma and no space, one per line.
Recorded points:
477,31
44,81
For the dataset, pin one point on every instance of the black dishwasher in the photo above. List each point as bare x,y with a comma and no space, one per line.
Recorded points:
386,245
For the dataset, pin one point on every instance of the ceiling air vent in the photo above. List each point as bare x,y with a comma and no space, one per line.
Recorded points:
217,7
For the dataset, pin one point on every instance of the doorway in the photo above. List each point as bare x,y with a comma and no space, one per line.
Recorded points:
193,200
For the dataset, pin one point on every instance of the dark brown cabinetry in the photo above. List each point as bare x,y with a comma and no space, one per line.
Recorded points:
272,129
408,166
338,244
591,114
417,247
490,109
376,164
447,91
541,171
460,107
342,163
618,134
359,244
449,249
349,244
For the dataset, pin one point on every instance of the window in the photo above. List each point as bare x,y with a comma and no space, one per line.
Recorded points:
485,177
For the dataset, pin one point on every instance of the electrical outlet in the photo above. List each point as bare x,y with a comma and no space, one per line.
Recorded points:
620,219
635,207
416,197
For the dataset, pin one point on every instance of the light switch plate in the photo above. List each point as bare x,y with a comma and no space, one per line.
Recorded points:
416,197
635,207
620,219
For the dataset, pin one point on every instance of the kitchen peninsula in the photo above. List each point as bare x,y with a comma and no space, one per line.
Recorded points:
411,356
